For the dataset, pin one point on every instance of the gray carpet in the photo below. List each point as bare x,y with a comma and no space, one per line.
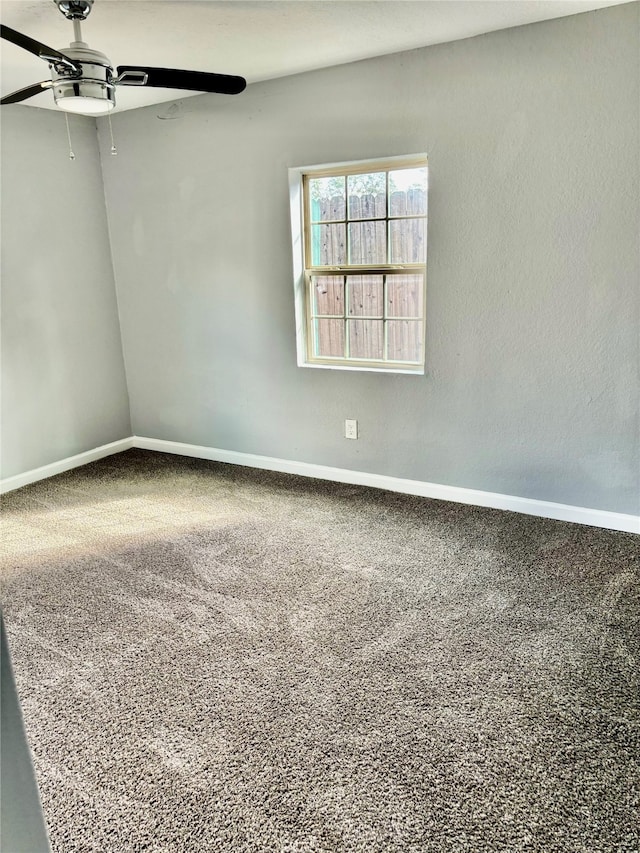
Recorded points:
217,659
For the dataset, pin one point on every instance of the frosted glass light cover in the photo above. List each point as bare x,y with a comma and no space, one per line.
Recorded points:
84,105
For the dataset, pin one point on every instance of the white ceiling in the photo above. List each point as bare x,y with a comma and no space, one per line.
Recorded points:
260,39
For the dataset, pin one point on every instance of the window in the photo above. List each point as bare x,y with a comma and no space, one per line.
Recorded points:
360,250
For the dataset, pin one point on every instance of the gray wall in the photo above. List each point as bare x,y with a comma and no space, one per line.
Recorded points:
532,347
63,381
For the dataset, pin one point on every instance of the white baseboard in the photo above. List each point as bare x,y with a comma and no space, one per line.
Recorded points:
11,483
528,506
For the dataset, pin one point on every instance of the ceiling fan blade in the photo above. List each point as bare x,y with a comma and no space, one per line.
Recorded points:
49,54
27,92
174,78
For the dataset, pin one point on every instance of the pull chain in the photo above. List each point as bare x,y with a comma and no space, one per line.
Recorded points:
72,156
114,150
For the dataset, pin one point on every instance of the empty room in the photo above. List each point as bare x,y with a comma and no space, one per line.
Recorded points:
320,426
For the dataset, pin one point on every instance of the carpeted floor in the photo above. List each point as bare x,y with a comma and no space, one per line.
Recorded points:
212,658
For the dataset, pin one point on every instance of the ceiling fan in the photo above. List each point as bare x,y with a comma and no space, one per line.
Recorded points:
83,80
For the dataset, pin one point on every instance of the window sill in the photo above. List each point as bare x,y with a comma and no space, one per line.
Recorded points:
415,371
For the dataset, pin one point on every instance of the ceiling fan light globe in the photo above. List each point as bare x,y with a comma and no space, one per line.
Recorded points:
85,105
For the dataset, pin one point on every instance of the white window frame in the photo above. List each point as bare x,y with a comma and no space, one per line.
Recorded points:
301,270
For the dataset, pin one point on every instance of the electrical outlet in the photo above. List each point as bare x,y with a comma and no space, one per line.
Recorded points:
350,429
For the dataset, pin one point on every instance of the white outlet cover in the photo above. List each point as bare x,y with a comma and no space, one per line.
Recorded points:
351,428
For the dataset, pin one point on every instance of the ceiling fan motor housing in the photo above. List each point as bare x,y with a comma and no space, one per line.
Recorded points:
94,82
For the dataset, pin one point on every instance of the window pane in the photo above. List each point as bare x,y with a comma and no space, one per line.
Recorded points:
408,192
367,243
408,241
367,195
404,340
328,291
366,339
365,295
329,338
405,295
328,245
327,198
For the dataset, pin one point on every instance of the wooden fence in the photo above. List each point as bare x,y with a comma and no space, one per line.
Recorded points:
364,306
